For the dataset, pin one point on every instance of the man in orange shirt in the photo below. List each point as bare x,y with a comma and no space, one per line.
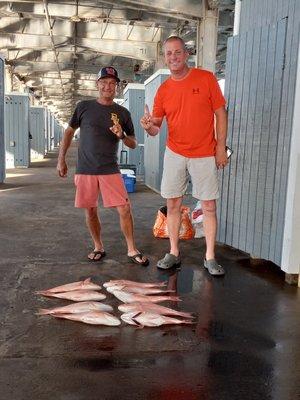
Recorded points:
194,107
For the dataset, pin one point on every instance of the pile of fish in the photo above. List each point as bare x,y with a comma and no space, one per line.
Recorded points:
86,310
139,308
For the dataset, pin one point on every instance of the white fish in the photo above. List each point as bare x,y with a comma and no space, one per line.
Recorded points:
152,307
76,308
92,317
86,284
137,289
133,283
76,295
151,319
131,297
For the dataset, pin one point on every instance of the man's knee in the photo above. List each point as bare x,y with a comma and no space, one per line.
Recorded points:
209,207
174,205
91,213
124,211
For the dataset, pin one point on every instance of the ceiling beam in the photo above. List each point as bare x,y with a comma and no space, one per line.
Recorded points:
96,11
126,48
180,9
91,30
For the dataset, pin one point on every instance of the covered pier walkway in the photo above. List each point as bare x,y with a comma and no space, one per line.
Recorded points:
244,344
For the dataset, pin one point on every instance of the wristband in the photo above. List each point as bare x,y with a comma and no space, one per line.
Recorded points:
123,136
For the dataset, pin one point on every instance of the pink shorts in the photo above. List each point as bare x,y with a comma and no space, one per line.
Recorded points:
111,187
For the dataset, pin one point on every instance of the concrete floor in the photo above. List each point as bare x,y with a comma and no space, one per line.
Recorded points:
245,344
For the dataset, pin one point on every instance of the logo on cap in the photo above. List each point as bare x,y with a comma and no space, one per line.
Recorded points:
110,71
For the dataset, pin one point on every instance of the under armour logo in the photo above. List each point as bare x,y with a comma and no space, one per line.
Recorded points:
196,90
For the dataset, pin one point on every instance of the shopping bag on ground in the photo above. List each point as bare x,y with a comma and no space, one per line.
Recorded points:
197,220
160,228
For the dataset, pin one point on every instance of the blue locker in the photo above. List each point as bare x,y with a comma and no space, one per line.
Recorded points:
37,128
134,101
154,145
57,133
50,131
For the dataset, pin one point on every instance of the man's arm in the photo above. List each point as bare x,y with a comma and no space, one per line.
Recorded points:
129,141
63,148
221,133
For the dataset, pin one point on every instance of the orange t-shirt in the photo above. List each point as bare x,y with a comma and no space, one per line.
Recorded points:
188,105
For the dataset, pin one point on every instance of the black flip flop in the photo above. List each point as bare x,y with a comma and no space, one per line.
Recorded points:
135,260
96,252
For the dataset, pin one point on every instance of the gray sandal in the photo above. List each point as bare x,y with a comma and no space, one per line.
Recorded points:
213,267
169,261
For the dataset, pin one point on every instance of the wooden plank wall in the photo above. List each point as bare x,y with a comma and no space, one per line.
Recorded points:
260,81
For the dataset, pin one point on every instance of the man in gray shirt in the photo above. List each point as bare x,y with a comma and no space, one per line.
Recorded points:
103,124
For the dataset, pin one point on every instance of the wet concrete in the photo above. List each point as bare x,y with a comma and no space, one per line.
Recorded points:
245,343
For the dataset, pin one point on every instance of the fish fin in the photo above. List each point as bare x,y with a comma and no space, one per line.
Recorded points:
87,280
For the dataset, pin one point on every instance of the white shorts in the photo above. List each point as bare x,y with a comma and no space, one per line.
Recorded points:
203,172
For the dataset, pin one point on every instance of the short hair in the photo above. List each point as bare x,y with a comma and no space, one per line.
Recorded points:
174,37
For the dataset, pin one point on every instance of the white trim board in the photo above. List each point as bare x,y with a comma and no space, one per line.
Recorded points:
290,262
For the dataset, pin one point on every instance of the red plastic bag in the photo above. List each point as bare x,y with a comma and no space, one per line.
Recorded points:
160,228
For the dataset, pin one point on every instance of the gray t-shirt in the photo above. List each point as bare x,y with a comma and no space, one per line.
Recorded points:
98,145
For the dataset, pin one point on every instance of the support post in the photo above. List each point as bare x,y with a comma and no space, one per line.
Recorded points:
207,31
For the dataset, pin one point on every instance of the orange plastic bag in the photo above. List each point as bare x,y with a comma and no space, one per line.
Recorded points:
160,228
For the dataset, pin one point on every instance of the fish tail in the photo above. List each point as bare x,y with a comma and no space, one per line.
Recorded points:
185,315
59,315
43,311
174,298
164,283
44,293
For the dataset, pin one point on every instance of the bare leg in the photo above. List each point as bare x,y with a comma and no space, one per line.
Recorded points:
210,227
173,222
93,224
126,223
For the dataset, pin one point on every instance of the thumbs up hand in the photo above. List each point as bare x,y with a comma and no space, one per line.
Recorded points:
147,119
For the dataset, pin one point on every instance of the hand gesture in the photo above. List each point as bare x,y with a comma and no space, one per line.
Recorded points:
117,130
147,119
